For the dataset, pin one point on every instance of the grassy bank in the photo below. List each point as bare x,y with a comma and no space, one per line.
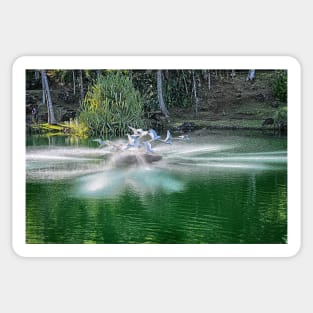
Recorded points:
72,128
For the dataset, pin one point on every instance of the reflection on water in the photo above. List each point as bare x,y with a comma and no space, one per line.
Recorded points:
141,180
221,189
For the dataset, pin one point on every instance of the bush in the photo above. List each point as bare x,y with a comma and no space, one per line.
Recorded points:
280,86
111,105
280,116
281,119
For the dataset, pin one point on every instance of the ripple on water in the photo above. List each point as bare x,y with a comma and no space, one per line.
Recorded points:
200,192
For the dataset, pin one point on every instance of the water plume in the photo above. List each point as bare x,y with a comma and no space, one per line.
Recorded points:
111,183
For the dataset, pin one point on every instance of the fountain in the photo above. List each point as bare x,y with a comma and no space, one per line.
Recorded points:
138,150
202,156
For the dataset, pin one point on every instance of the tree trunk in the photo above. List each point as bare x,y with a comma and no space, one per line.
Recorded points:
74,84
160,94
45,87
43,90
81,85
209,80
251,75
195,93
185,83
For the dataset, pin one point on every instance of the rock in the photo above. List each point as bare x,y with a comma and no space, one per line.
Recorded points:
268,121
149,158
260,97
187,127
129,159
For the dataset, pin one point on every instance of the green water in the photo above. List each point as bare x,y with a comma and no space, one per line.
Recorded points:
224,188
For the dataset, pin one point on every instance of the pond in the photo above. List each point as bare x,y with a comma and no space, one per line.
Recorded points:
228,187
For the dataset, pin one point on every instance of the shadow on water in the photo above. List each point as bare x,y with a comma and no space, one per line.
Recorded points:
224,189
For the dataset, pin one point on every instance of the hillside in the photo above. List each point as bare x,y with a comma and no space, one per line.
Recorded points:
231,103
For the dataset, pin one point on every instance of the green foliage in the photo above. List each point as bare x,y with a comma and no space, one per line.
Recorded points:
177,87
145,82
280,116
76,128
111,105
280,86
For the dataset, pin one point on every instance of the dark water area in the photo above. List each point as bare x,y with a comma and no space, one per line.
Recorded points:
228,187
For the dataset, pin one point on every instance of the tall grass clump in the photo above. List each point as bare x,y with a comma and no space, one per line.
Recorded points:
111,105
76,128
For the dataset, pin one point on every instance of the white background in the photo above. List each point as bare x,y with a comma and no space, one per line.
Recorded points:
155,28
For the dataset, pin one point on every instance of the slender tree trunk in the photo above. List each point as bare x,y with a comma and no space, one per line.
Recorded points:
160,94
81,85
45,87
74,83
195,93
185,83
43,90
209,80
251,75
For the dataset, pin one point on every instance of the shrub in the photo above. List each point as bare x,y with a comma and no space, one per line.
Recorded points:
280,116
281,119
280,86
111,105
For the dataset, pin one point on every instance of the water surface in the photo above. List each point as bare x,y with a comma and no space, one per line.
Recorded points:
223,188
